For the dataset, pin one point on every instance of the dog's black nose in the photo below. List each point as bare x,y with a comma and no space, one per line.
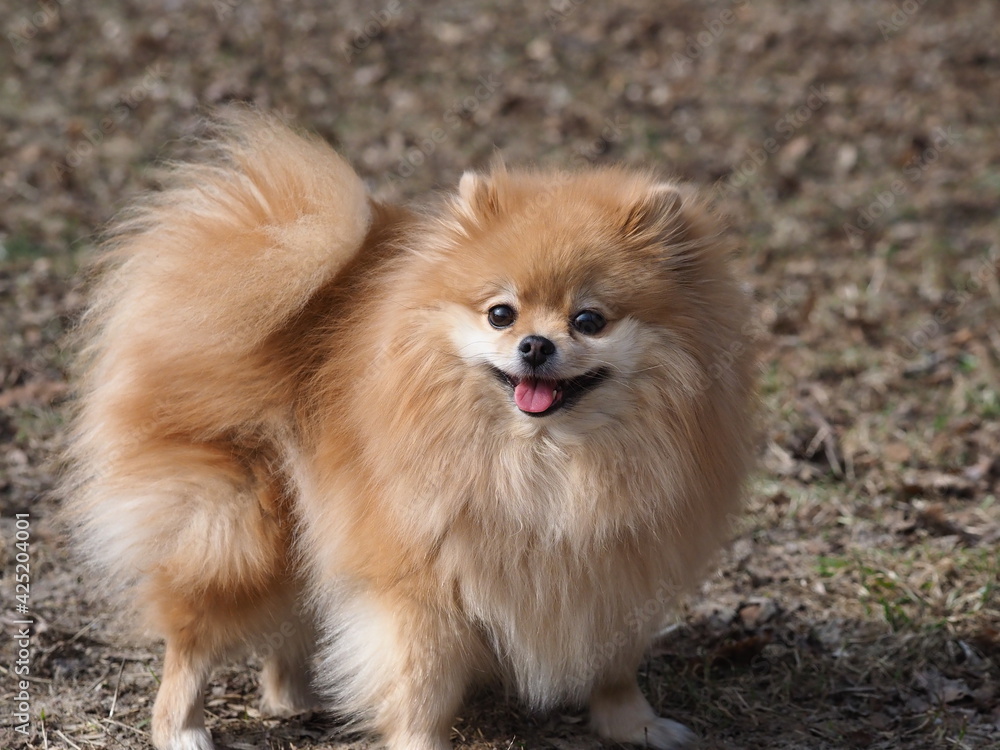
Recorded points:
536,349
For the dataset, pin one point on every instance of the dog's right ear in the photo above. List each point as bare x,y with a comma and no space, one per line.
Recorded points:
478,196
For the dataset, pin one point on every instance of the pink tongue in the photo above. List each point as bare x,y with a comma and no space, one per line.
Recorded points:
533,396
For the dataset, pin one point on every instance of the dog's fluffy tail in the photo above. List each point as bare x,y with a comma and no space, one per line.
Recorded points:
177,351
229,250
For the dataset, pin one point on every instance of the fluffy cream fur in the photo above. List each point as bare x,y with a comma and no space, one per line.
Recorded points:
291,393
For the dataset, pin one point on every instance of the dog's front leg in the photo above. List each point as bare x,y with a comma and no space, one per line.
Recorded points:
400,666
620,712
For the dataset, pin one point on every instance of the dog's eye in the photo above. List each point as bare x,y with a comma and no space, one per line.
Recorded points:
501,316
588,322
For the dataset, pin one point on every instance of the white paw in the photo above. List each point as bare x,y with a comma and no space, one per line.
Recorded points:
418,742
185,739
664,734
625,716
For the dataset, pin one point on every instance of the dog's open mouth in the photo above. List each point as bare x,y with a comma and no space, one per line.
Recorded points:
539,397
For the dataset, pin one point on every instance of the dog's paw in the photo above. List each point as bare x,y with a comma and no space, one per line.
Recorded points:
624,715
664,734
288,701
286,692
657,733
185,739
409,741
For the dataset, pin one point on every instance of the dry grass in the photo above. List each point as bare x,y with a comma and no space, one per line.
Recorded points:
859,605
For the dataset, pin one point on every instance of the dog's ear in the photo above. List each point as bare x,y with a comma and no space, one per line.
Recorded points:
478,195
673,223
656,213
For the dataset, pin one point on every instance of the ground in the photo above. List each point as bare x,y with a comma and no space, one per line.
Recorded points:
854,147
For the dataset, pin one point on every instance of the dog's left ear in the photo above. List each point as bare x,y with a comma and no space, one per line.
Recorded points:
657,212
674,221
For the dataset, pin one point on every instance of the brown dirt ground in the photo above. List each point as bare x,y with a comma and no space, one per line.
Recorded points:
855,146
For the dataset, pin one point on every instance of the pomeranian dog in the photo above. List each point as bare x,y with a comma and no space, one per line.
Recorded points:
412,451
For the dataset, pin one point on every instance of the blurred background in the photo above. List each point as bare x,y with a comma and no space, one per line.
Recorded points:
854,148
